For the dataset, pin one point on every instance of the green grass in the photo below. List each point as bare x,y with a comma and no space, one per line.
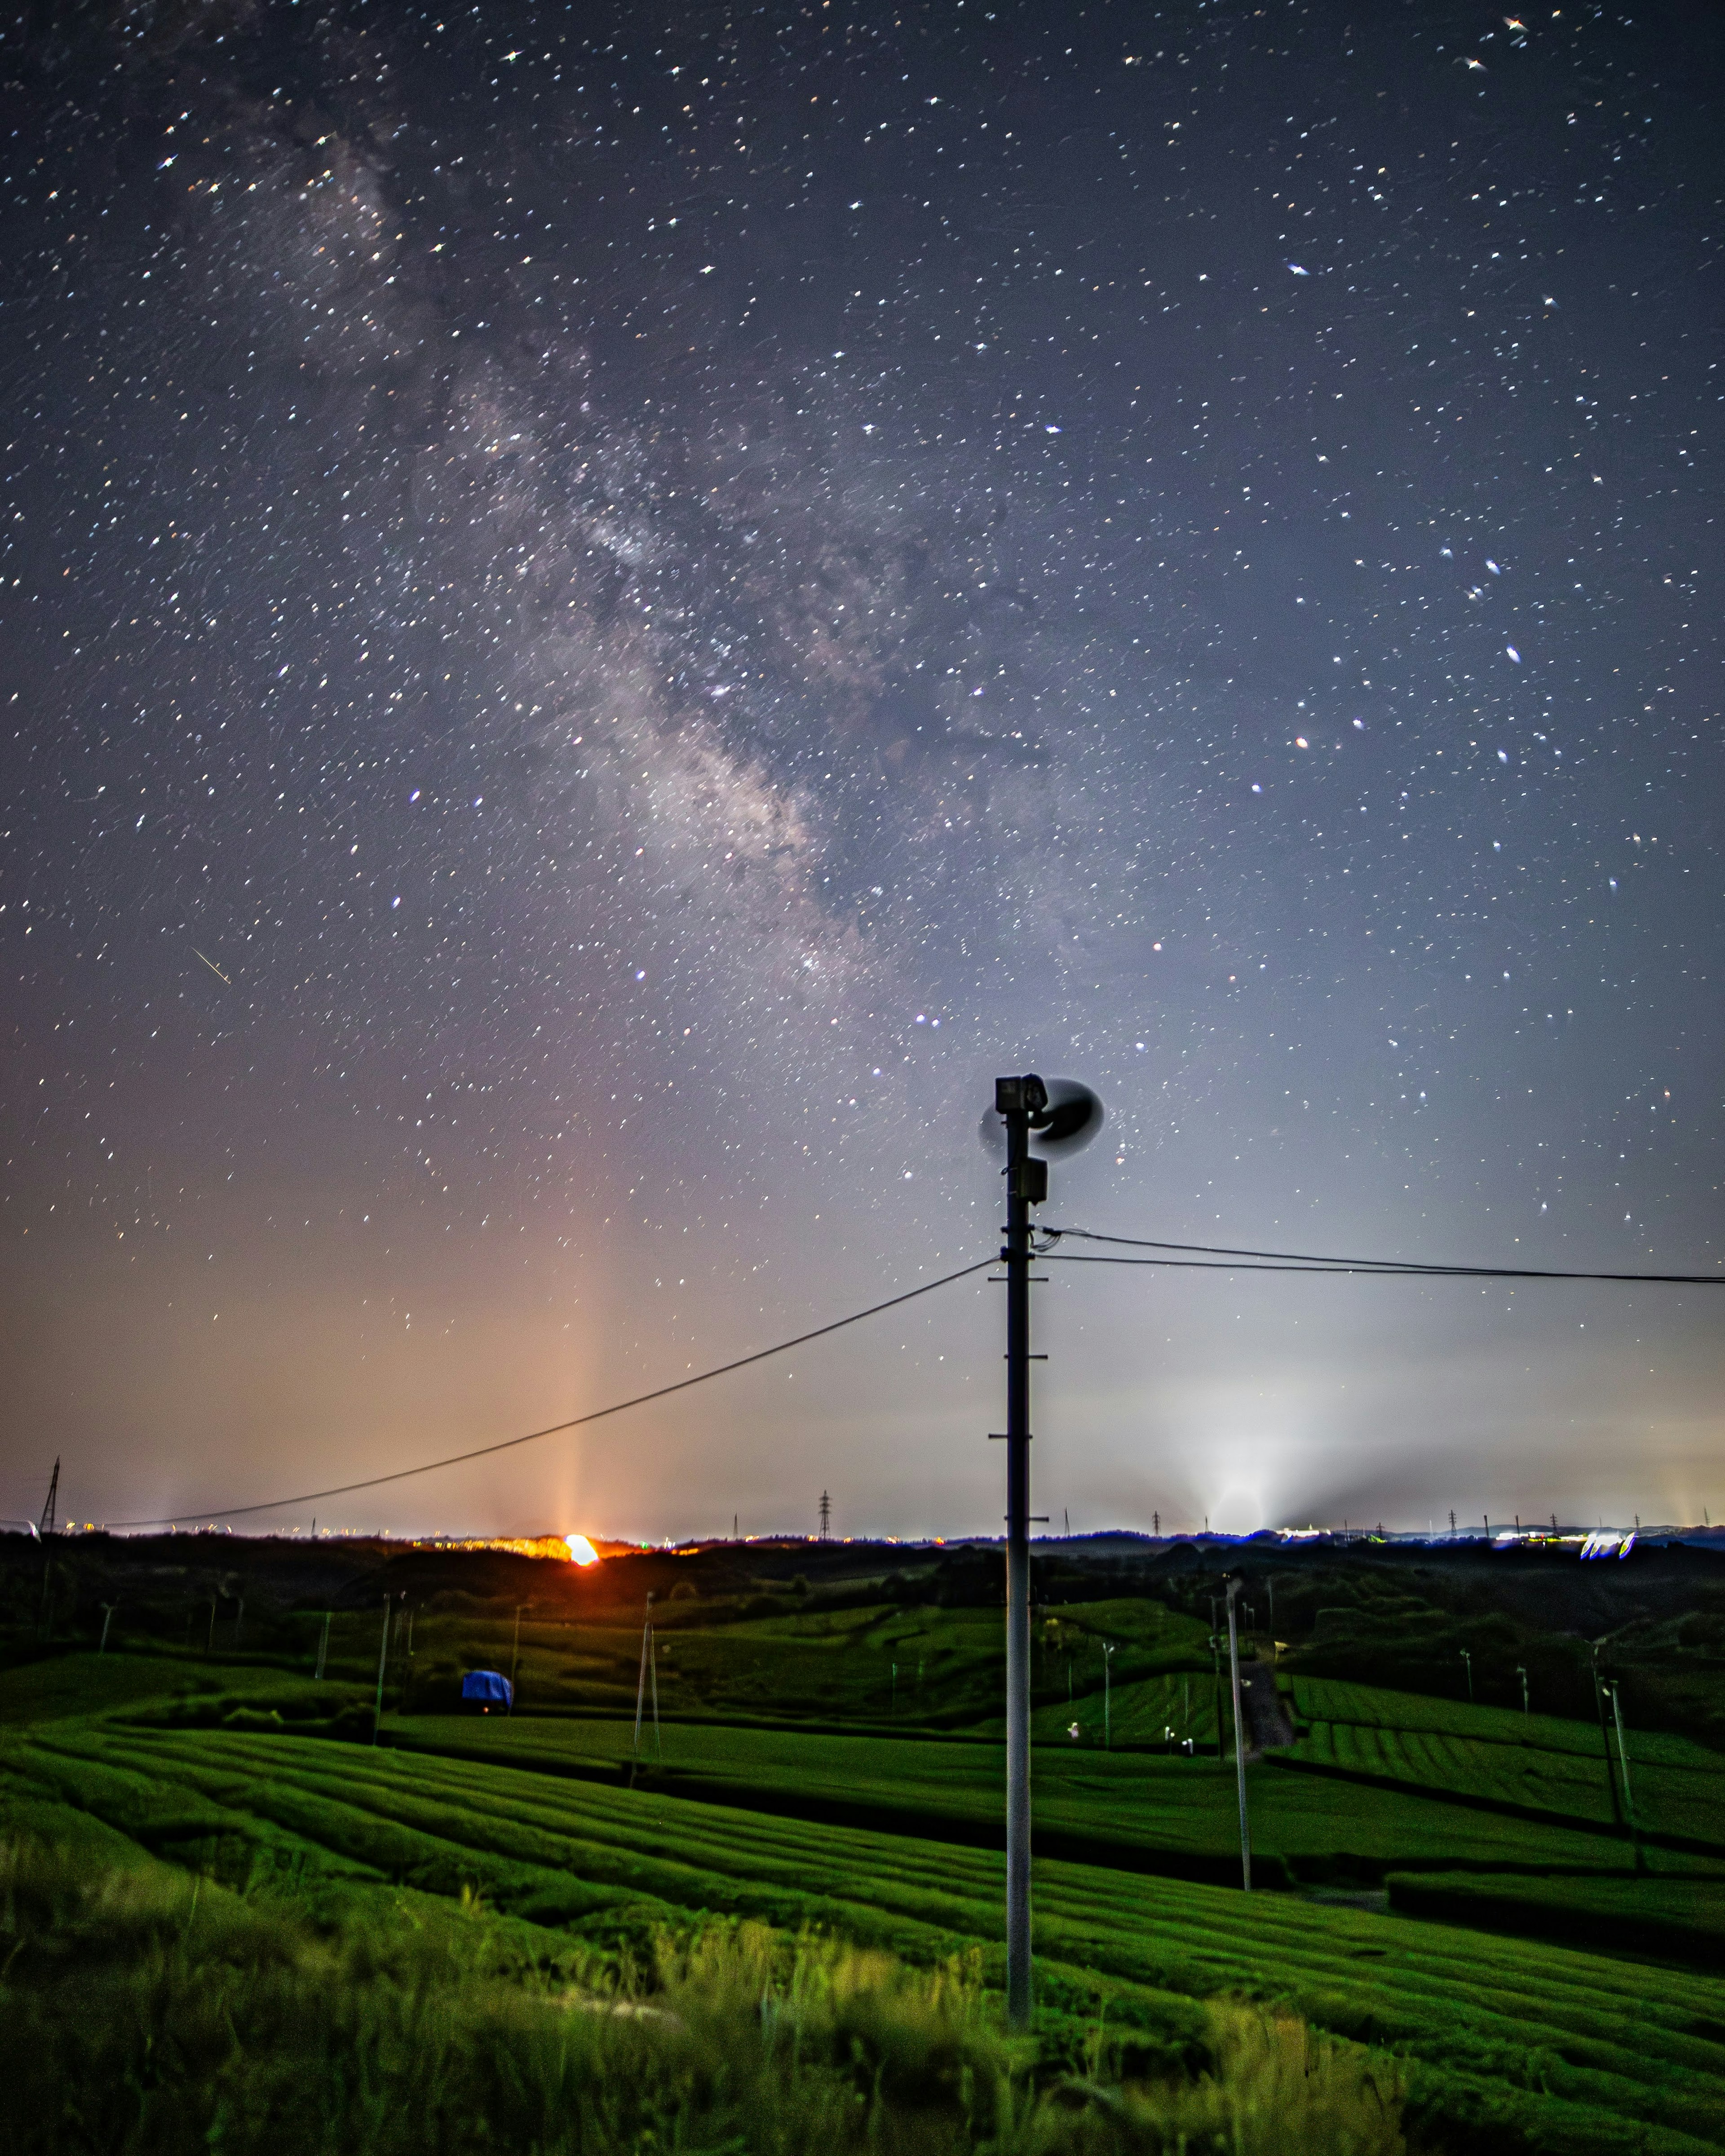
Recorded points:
1535,2044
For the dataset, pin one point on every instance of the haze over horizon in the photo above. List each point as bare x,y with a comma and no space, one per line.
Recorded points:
607,613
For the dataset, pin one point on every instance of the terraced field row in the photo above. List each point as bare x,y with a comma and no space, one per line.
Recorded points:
1678,1789
1147,1812
1578,2050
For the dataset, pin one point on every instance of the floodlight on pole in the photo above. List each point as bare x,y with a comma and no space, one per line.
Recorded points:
1060,1114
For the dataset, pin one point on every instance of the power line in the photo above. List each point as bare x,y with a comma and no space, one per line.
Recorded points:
1209,1257
575,1422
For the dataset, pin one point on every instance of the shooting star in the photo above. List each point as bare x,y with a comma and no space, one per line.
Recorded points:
215,969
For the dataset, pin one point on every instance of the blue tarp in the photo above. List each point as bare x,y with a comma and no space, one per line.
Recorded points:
487,1686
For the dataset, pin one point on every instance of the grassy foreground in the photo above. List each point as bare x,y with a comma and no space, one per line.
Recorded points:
1500,2043
141,2010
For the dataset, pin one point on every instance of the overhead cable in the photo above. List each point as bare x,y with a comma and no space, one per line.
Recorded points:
1210,1257
575,1422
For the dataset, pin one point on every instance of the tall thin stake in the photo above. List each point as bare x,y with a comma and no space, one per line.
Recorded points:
1245,1832
382,1658
647,1661
1629,1802
514,1656
323,1646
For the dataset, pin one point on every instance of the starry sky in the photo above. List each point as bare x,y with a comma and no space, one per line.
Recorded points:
605,611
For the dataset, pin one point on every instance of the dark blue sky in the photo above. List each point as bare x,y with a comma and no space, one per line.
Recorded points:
605,612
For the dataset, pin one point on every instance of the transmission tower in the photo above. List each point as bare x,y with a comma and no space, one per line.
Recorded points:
46,1524
826,1515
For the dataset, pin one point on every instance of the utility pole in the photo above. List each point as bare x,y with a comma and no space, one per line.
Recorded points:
1245,1832
826,1515
1156,1523
383,1657
1066,1117
1017,1101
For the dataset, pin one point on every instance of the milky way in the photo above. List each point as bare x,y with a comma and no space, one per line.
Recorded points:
607,612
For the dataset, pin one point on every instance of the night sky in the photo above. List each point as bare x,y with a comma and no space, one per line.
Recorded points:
606,610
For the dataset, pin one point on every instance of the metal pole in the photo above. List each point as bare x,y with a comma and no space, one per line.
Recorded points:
1023,1175
515,1655
383,1657
1629,1802
323,1646
1245,1834
1605,1741
1107,1724
110,1607
641,1682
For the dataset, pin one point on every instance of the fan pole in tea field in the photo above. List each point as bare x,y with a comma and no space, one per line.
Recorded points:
649,1663
1245,1835
515,1655
383,1657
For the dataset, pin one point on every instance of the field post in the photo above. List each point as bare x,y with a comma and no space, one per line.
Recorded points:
515,1655
1629,1802
1016,1100
641,1681
1246,1835
1605,1741
323,1646
109,1607
383,1657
